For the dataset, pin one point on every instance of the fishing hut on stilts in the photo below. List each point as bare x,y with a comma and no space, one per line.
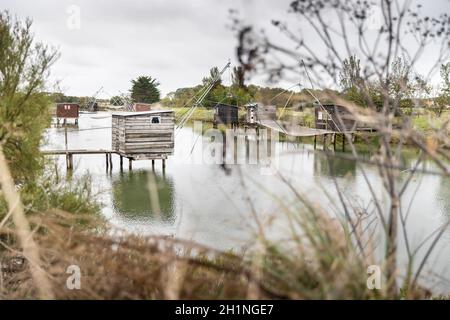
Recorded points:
147,135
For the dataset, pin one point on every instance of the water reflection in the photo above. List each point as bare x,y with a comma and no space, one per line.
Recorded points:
131,196
333,166
443,196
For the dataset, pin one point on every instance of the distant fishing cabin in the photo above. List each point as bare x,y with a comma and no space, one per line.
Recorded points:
140,107
143,135
334,117
226,114
67,111
266,112
255,112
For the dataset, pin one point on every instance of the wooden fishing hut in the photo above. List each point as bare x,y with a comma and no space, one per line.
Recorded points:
257,112
67,111
143,135
226,114
266,112
334,117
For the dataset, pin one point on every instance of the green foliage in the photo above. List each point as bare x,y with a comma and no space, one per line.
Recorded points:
214,75
238,77
58,97
24,115
200,113
72,196
445,76
145,89
116,101
443,100
24,108
350,75
48,191
401,89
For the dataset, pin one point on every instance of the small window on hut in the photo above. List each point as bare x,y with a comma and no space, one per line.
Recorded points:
155,119
320,115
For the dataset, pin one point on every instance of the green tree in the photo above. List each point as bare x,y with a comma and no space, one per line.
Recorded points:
238,77
351,81
214,74
400,84
443,100
145,89
350,74
24,107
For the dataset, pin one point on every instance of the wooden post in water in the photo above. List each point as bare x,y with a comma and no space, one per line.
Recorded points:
107,162
153,164
70,158
130,164
163,165
69,164
343,142
334,141
66,144
110,162
315,142
121,163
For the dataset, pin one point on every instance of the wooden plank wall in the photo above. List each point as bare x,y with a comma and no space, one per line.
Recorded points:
137,135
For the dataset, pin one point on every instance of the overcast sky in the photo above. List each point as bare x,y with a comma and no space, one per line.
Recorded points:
115,41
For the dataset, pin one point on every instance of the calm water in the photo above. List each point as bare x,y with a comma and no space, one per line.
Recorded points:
213,205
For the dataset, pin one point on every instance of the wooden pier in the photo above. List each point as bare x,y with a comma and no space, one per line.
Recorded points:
293,130
108,156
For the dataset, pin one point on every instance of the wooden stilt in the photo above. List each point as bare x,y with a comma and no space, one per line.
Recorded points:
70,161
153,164
110,162
343,142
107,161
121,163
164,164
315,142
130,164
334,141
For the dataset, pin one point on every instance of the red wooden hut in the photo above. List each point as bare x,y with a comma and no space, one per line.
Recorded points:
67,111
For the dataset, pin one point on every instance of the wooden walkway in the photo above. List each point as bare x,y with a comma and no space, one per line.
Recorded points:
290,129
293,130
70,152
76,151
107,152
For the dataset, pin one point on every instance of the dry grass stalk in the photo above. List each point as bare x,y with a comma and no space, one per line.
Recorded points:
30,249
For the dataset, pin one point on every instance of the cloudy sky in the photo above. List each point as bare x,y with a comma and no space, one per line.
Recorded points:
108,43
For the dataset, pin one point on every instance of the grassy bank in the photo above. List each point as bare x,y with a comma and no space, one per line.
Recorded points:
320,264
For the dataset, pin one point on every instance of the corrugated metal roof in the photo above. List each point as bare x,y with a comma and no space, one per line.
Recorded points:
130,113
